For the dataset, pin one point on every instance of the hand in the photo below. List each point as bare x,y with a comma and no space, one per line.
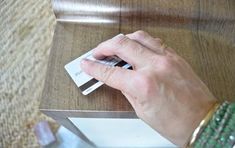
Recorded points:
162,87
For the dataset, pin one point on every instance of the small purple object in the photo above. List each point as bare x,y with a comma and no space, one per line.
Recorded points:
43,133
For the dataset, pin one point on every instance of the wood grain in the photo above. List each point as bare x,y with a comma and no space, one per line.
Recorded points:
202,32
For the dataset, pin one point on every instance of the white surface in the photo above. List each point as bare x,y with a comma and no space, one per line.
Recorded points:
74,70
79,77
108,132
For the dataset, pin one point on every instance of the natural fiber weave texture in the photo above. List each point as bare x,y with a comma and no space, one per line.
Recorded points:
26,30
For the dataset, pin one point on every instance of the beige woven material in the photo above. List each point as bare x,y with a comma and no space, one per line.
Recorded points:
26,30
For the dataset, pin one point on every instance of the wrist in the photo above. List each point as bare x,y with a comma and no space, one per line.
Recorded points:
202,124
219,131
181,125
194,121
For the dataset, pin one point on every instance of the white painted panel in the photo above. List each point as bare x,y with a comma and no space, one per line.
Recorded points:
113,132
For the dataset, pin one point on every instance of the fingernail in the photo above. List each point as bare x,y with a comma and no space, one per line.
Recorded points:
121,34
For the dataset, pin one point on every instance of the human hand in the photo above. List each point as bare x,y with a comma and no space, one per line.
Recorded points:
162,87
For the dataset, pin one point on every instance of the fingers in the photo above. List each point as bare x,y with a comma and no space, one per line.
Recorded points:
115,77
155,44
148,41
129,50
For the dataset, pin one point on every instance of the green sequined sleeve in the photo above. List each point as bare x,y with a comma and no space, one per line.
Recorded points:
220,130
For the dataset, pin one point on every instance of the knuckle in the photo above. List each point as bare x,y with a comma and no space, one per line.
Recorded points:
138,49
102,44
121,40
140,34
159,40
108,72
171,50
